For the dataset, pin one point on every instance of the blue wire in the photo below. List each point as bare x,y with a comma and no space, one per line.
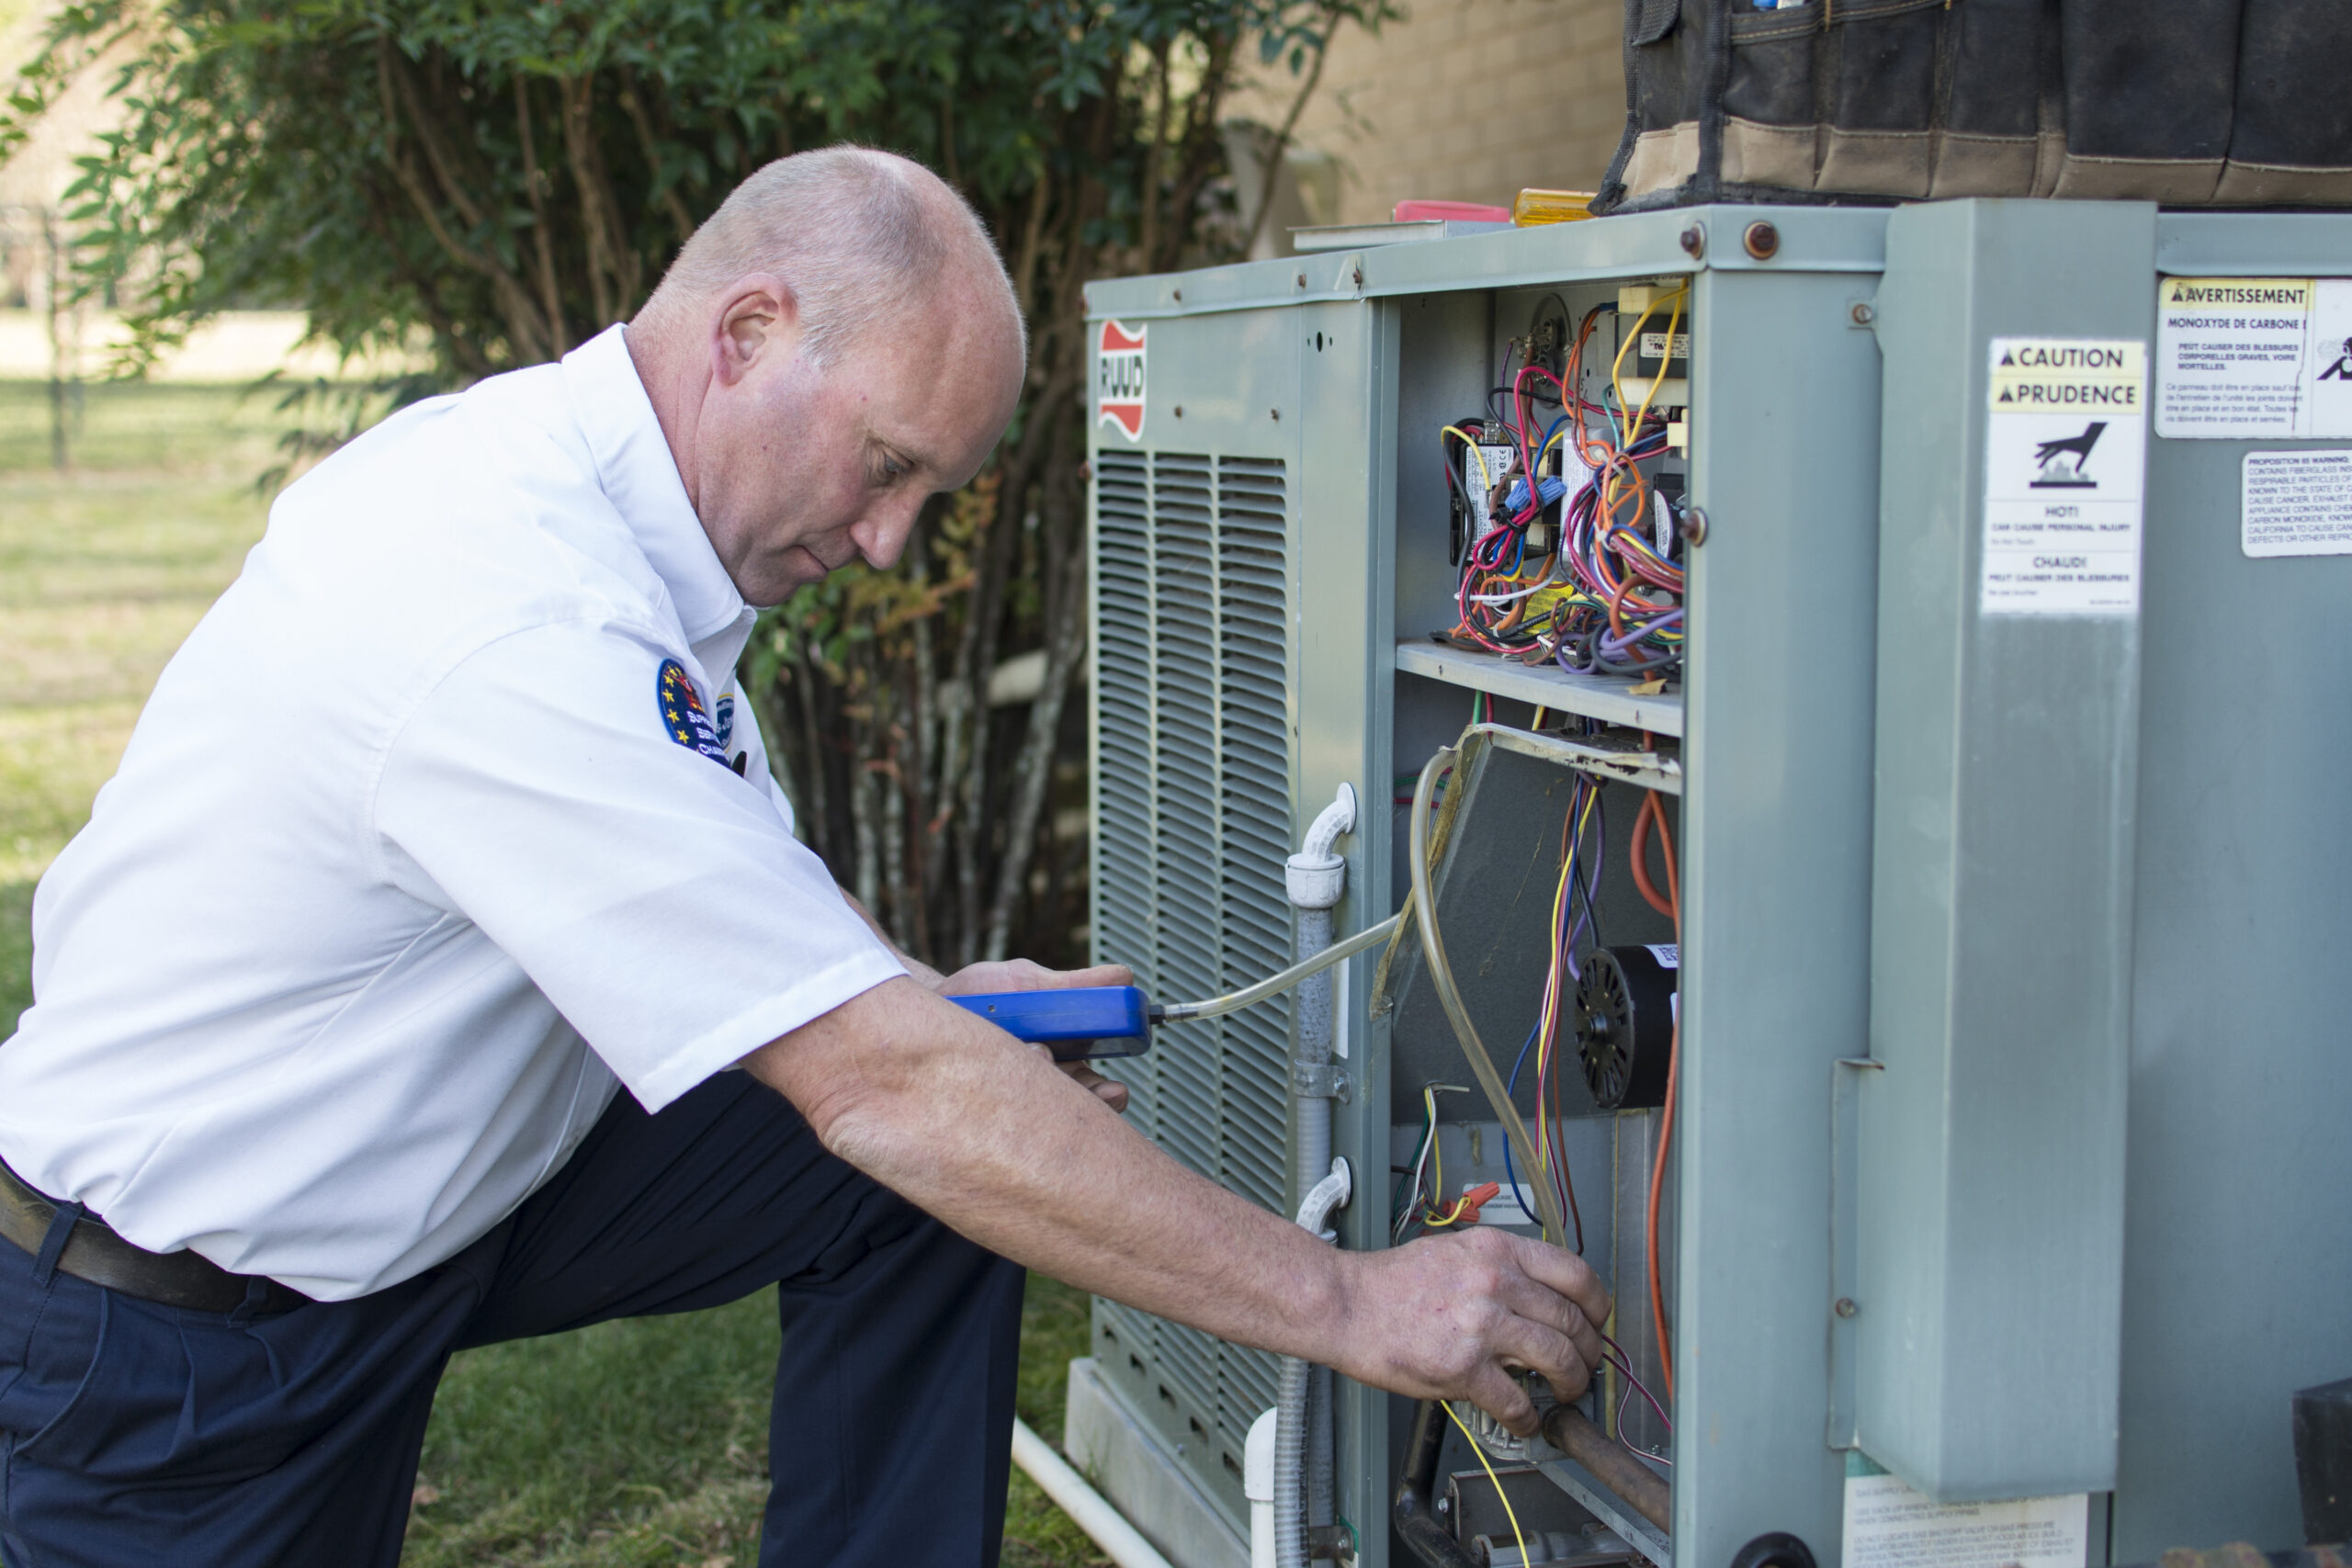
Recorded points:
1509,1174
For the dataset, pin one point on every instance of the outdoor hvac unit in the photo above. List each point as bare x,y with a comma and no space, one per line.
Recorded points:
2004,763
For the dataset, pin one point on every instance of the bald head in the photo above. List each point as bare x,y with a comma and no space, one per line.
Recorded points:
859,234
837,344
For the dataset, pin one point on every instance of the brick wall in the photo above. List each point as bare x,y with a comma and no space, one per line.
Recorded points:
1464,99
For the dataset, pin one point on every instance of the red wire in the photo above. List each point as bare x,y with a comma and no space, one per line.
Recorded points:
1651,807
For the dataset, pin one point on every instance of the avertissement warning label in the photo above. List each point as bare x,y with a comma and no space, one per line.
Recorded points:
2065,452
2296,503
2243,357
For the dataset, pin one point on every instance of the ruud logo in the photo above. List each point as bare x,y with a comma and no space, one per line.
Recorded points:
1118,378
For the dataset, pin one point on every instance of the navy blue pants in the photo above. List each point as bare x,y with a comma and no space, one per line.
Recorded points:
138,1434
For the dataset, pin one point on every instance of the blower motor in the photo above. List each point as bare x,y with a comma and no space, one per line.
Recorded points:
1625,1025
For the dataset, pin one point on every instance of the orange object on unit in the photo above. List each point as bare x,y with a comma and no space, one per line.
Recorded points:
1535,207
1463,212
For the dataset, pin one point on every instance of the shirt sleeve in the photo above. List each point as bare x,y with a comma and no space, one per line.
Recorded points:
543,791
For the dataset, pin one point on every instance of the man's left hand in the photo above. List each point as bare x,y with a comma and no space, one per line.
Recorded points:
1020,975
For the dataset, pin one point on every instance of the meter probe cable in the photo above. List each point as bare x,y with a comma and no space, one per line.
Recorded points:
1482,1064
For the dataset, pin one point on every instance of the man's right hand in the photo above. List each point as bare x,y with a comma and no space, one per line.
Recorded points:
1452,1315
980,1129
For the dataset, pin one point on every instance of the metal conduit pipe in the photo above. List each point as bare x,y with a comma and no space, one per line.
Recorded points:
1414,1511
1316,878
1290,1403
1572,1432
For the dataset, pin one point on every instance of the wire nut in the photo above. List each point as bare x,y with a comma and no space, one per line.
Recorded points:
1693,527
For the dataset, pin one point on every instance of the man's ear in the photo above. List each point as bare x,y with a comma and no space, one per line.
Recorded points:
758,318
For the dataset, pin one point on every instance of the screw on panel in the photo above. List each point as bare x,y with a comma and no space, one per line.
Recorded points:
1273,413
1356,273
1179,410
1845,1307
1762,240
1694,240
1301,280
1180,296
1861,312
1693,527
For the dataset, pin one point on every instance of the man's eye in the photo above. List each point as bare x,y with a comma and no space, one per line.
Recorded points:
888,470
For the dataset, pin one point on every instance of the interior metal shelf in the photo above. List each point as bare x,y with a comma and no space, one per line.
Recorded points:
1608,698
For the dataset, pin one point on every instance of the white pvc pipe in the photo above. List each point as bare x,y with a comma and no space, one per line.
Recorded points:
1087,1508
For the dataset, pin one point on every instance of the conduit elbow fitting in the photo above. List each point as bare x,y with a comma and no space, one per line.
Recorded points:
1315,876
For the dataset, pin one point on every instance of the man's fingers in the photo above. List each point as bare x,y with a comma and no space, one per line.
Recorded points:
1497,1394
1564,1272
1110,1092
1541,1304
1101,974
1548,1351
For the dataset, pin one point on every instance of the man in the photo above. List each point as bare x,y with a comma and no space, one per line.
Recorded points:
443,829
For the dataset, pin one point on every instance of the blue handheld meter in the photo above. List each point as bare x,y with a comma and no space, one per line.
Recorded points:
1078,1022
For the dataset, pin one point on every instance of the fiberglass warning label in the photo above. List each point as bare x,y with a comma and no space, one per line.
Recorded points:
2296,503
2064,451
2254,356
1890,1526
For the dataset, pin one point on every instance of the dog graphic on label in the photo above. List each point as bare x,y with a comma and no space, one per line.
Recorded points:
2062,461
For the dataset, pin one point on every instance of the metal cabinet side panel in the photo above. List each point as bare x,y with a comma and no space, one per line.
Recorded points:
1991,1152
1345,561
1776,918
2238,1244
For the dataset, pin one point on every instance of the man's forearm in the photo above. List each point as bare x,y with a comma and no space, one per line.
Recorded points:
985,1134
923,973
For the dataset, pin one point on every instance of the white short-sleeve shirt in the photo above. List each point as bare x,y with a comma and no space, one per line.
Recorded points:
447,821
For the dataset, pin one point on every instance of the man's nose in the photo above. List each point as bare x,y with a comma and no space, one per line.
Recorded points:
881,535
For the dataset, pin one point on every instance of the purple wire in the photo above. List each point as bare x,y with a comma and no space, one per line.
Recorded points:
1620,644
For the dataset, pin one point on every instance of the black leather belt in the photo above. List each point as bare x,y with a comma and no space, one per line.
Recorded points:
95,1253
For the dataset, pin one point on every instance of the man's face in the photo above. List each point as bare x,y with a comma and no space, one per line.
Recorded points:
801,469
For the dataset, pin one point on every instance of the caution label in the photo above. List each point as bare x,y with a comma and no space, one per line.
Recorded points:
2254,357
2296,503
2065,456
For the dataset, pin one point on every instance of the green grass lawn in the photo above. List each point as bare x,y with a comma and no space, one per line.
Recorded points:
632,1443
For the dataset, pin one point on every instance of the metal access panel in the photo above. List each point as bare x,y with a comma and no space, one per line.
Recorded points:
1915,844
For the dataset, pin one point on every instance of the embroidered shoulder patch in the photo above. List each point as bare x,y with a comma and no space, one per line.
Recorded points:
683,715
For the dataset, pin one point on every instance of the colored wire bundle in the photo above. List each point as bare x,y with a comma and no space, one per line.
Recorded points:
1573,568
1575,924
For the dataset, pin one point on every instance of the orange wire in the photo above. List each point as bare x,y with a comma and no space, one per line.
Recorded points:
1651,807
1638,850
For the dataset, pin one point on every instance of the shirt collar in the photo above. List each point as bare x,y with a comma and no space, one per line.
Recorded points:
641,478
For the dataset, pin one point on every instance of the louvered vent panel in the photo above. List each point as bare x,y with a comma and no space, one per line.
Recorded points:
1124,835
1194,823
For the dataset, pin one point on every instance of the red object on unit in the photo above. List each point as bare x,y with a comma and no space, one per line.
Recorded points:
1465,211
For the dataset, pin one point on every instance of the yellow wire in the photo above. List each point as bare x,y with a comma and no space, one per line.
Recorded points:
1617,366
1552,992
1485,479
1612,490
1509,1512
